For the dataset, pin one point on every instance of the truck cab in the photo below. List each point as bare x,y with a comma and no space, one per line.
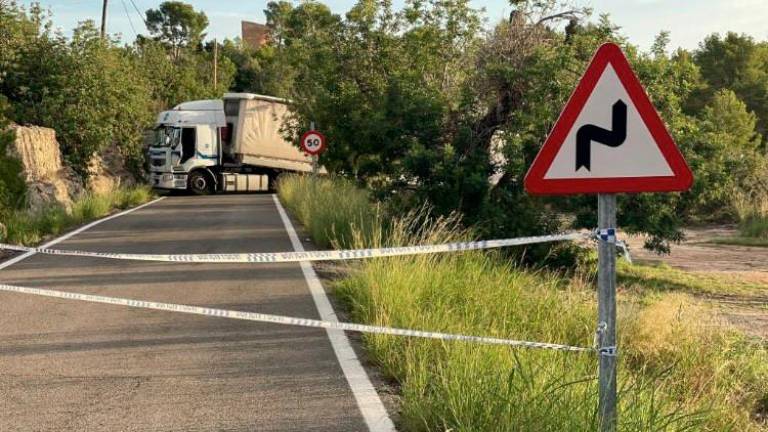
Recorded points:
186,146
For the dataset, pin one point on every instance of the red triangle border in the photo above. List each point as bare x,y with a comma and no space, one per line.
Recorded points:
682,179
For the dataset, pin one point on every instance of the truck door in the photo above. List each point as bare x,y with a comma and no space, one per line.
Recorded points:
188,143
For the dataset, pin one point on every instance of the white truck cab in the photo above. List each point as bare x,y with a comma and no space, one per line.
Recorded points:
234,144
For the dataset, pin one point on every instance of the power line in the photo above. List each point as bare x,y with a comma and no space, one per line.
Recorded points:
141,15
130,21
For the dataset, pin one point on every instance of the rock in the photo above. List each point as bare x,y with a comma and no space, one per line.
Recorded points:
107,171
48,180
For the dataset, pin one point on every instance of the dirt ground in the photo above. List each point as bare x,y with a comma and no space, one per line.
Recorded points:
747,263
697,254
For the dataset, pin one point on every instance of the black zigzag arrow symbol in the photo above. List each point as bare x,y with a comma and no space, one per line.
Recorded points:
612,138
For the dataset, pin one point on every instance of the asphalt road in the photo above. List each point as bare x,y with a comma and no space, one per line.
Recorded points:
76,366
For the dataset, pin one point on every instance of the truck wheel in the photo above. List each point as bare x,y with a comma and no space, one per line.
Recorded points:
200,183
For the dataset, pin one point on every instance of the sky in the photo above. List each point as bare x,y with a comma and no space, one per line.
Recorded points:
688,21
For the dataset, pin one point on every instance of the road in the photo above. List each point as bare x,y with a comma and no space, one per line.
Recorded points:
75,366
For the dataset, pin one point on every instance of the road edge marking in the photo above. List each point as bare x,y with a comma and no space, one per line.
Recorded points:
67,236
368,400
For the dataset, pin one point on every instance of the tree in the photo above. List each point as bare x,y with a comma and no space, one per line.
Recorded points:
177,25
727,114
738,63
261,70
724,154
189,77
88,89
411,102
12,186
358,70
277,14
420,104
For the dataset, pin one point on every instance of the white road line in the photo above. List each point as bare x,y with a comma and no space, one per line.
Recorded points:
367,398
22,257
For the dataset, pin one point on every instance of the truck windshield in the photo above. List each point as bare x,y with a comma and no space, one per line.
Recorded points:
167,136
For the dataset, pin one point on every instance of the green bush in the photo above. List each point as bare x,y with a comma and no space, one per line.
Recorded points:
12,187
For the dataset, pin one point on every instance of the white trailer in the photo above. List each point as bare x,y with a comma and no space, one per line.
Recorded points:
234,144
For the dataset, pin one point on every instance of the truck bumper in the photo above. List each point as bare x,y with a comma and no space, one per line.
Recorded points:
176,181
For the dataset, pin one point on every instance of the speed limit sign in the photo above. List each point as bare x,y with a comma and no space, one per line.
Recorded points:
313,142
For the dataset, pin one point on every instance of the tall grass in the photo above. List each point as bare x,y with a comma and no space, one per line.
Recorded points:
753,215
29,227
678,372
330,210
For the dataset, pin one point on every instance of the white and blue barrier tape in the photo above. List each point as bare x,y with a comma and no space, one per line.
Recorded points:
279,319
608,235
326,255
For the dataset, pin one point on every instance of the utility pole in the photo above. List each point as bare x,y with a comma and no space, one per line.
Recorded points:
104,19
215,64
606,311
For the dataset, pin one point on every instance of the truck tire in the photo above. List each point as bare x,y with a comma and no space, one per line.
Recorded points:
200,183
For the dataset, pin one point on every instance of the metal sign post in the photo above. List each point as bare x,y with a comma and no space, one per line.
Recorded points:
314,156
606,315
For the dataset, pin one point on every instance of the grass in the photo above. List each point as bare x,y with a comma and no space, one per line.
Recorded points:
755,226
331,211
741,241
29,227
679,370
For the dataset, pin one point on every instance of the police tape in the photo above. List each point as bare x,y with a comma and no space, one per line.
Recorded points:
608,235
325,255
284,320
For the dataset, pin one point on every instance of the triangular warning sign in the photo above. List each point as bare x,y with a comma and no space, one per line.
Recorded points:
609,138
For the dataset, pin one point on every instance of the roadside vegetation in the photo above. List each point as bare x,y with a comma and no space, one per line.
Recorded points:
681,369
342,214
31,227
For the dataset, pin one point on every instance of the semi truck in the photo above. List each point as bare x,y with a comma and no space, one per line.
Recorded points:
232,144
